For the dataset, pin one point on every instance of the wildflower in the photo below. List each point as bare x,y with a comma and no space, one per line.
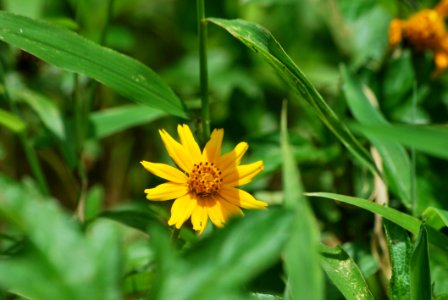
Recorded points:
424,30
206,186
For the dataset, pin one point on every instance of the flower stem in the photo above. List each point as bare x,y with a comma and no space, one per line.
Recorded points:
202,29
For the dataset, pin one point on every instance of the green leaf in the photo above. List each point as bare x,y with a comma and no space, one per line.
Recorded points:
344,273
420,272
436,217
400,251
57,259
220,265
406,221
11,121
261,41
428,139
394,156
113,120
46,110
301,252
72,52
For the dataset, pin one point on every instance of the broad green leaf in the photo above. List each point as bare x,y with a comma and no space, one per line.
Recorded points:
261,41
72,52
428,139
46,110
301,252
420,273
113,120
400,251
11,121
57,259
436,217
222,264
406,221
344,273
394,156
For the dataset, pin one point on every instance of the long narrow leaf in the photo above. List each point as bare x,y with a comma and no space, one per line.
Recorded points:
394,156
428,139
261,41
301,252
344,273
420,272
11,121
72,52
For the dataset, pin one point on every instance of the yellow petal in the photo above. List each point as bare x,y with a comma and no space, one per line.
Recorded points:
167,191
242,174
215,212
232,158
199,217
165,171
241,198
395,32
181,210
229,209
177,152
187,140
212,149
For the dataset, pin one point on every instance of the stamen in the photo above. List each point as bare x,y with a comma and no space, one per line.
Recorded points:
205,179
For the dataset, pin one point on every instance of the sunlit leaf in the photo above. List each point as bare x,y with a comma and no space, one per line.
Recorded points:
301,253
72,52
344,273
400,250
11,121
436,217
261,41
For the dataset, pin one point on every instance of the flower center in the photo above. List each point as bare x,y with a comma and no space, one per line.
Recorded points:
205,179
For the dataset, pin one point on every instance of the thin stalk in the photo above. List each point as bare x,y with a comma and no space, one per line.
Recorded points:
413,162
203,76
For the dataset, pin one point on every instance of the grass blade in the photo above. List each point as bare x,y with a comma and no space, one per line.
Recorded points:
12,122
344,273
261,41
301,252
72,52
420,273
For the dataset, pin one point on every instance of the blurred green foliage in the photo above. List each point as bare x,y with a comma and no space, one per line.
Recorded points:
74,221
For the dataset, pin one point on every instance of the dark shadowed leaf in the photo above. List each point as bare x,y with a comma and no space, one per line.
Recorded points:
420,273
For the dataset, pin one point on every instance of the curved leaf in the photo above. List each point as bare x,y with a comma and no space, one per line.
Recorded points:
420,272
72,52
261,41
11,121
344,273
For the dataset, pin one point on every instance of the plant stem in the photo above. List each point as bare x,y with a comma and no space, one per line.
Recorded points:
202,29
413,162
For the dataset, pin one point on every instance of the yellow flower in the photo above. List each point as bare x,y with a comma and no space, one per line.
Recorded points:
206,186
425,30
